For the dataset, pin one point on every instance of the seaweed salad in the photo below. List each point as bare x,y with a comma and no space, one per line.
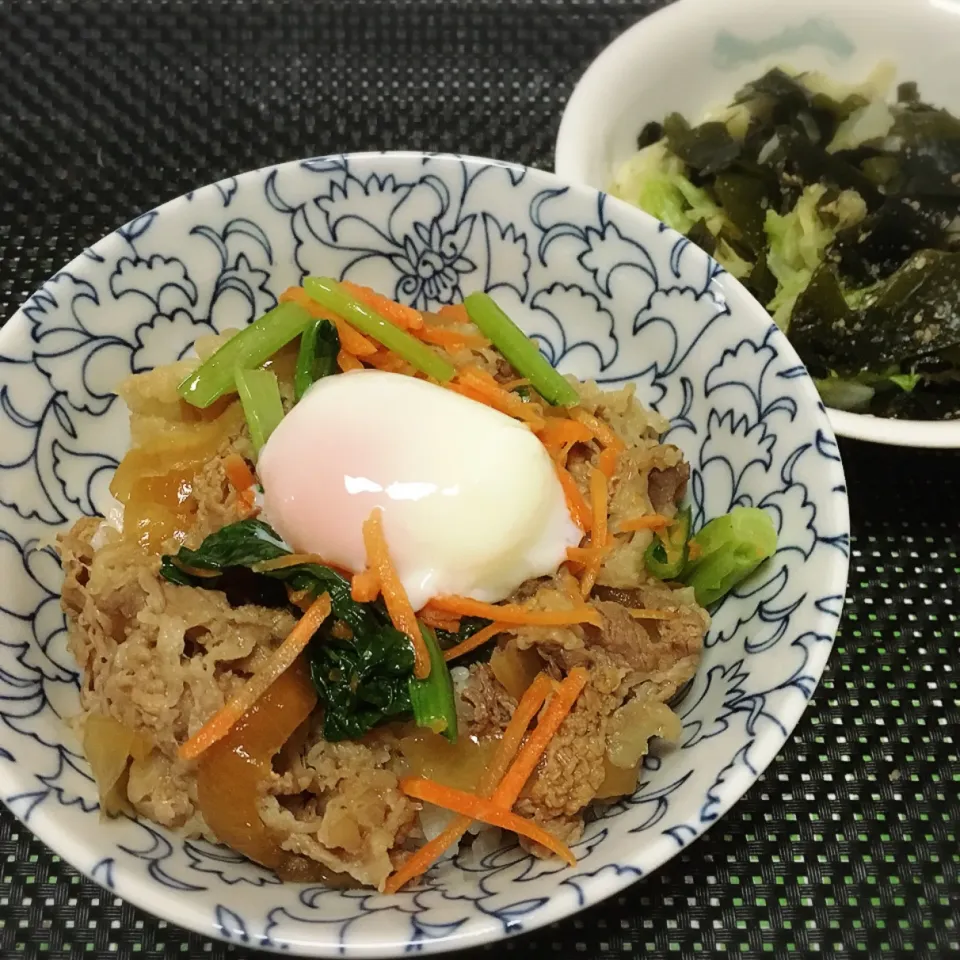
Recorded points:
840,211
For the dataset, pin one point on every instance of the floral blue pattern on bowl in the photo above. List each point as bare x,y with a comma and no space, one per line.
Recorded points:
610,294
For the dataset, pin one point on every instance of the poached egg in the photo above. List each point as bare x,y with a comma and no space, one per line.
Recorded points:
470,499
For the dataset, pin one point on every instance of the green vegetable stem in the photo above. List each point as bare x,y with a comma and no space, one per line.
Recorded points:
330,294
260,397
727,550
250,348
317,358
666,556
432,699
520,351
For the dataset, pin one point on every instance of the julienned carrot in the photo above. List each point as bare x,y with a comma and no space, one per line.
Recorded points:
514,613
288,560
560,705
220,724
247,502
528,707
639,613
351,340
608,461
439,620
347,362
649,521
390,362
559,433
397,313
579,508
394,594
598,535
419,862
601,431
477,640
364,586
454,313
299,598
451,339
238,473
487,811
485,386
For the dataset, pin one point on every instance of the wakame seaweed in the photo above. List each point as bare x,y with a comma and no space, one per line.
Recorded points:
877,316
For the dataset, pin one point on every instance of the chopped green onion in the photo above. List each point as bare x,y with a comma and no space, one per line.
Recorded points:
319,346
666,557
727,550
433,700
250,348
260,396
330,294
520,351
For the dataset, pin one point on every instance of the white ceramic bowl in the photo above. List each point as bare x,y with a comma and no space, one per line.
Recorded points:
695,54
610,294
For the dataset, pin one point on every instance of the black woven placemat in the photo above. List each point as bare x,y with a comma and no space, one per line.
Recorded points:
848,844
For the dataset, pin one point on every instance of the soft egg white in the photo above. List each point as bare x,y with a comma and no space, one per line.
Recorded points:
470,499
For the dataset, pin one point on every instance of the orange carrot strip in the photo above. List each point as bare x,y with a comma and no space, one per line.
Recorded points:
364,587
195,571
455,313
514,384
528,707
487,811
477,640
439,620
649,521
559,432
570,584
498,398
394,595
598,537
247,503
601,431
640,614
561,703
467,392
384,360
220,724
514,614
351,340
451,339
299,598
580,556
397,313
419,863
288,560
579,509
238,473
347,361
608,461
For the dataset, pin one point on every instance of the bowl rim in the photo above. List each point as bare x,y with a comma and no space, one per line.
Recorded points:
567,900
569,164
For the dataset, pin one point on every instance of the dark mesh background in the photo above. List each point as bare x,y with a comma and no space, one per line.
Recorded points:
848,843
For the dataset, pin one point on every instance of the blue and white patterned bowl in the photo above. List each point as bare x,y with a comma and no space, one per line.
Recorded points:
611,295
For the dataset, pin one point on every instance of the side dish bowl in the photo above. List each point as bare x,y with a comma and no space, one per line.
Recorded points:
611,295
693,56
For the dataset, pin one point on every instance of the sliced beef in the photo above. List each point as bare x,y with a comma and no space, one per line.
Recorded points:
666,488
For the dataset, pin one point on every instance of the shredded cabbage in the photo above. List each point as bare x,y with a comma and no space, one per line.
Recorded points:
655,180
798,240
